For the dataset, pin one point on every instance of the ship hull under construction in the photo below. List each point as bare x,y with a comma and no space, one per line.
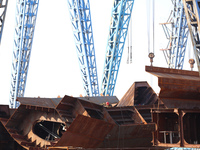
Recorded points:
142,119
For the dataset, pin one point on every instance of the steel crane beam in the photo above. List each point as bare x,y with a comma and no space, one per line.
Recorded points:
3,7
192,12
83,35
120,18
177,35
26,14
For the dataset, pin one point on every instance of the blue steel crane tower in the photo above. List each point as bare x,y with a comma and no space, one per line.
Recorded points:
120,18
3,7
26,14
192,11
177,35
82,29
83,36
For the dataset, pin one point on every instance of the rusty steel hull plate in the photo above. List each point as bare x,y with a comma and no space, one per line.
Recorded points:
177,84
40,102
85,132
135,135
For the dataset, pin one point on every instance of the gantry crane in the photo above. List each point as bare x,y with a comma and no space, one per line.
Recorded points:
192,12
3,7
26,14
120,18
83,36
177,35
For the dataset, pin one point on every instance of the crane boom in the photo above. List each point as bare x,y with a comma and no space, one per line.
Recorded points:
177,36
120,18
3,7
26,14
192,12
83,35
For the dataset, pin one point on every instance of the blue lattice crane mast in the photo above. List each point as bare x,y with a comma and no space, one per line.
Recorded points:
192,12
82,29
3,7
26,14
176,31
120,18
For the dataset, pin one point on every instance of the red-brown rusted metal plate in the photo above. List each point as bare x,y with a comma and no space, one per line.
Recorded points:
133,135
4,111
180,85
85,132
39,102
101,99
140,93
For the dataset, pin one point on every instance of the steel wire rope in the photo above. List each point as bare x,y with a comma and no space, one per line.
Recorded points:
129,41
130,26
128,47
153,25
148,24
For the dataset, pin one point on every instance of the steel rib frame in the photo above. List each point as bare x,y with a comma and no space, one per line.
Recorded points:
192,12
83,36
177,36
120,18
3,8
26,14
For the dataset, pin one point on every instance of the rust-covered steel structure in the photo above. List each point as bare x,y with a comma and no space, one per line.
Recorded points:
142,119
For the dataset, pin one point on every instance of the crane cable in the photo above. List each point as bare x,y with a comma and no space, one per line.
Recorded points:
131,40
153,24
129,44
149,25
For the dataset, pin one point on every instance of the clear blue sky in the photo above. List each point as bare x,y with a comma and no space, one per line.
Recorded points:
54,68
